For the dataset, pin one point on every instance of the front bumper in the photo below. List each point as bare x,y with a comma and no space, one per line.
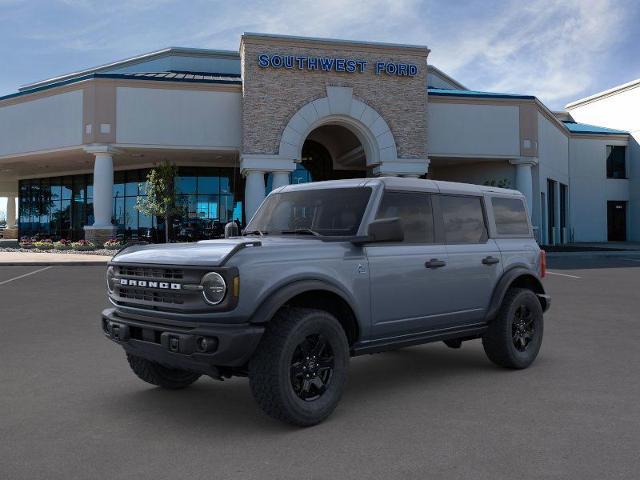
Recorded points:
182,346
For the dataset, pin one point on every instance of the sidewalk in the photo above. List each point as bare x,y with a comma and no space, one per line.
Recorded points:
36,259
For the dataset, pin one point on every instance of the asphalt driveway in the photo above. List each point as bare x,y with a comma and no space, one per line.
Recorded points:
70,407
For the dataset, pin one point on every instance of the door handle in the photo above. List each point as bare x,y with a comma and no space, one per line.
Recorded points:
435,263
490,260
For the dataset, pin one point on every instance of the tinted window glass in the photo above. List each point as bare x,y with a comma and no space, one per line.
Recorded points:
414,209
327,211
510,215
616,162
463,219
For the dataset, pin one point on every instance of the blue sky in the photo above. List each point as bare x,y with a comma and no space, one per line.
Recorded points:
557,50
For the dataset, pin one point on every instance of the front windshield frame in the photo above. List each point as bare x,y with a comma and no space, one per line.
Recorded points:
321,212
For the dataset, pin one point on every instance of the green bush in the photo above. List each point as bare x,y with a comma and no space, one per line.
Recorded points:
83,245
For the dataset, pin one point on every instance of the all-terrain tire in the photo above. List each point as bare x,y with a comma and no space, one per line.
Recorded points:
156,374
502,342
274,367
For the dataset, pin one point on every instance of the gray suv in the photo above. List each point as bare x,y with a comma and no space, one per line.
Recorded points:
326,271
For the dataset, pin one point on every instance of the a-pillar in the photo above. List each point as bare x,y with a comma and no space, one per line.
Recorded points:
102,228
524,178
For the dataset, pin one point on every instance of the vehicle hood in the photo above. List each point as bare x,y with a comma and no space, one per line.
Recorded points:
204,253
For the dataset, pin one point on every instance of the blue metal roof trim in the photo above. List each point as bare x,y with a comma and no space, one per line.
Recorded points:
444,92
585,128
225,80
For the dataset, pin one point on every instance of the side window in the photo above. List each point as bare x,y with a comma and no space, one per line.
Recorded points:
463,219
414,209
510,215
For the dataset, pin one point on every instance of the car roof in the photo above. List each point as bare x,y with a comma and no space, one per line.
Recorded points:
404,184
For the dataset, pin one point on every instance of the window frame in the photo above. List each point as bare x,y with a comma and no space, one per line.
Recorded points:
437,238
485,217
494,225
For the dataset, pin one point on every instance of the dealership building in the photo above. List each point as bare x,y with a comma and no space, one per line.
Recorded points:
75,149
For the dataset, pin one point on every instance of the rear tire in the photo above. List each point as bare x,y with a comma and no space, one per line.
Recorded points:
159,375
514,337
299,370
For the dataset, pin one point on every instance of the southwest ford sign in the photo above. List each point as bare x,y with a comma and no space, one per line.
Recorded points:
335,64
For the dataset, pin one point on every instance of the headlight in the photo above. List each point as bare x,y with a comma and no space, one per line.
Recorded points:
111,273
214,288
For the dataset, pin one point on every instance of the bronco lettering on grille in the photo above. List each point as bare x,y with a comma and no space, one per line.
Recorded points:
147,284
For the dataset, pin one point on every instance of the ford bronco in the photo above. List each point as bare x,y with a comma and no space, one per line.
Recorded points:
327,271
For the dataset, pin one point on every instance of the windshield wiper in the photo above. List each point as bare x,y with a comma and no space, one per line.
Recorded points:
302,231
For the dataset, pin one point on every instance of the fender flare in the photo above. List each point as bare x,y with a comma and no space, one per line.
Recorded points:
505,282
276,298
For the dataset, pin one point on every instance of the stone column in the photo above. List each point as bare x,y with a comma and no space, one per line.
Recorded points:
254,191
253,166
102,228
524,178
11,232
280,179
11,211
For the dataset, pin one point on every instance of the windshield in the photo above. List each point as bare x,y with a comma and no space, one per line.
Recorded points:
324,212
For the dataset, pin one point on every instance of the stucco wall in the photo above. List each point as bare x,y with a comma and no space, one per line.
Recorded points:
620,111
473,129
590,189
190,118
43,124
272,96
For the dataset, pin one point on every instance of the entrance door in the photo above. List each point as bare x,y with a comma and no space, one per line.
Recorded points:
617,221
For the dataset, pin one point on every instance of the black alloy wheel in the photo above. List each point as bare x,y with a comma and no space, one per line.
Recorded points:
522,328
312,367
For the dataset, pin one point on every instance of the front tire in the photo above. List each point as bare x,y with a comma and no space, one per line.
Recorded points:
159,375
514,337
299,370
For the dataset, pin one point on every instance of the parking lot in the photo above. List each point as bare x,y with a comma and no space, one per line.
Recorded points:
71,408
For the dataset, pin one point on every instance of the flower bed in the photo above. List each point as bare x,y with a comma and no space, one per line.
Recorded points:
46,245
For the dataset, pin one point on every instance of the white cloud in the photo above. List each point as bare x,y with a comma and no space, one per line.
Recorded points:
547,48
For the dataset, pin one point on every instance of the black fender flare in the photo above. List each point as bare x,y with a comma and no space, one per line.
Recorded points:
507,280
281,295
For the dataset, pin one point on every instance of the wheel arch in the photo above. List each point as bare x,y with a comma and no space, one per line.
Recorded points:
311,294
517,277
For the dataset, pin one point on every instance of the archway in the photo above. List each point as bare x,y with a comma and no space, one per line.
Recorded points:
333,152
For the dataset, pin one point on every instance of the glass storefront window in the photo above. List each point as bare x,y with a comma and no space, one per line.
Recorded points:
59,207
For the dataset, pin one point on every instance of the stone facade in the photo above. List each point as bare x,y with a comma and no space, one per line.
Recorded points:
272,96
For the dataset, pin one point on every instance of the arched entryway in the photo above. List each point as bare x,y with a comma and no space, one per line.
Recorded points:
332,152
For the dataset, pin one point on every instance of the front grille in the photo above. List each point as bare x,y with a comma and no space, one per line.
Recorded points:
151,295
154,273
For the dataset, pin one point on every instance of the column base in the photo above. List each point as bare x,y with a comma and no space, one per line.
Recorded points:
99,235
9,233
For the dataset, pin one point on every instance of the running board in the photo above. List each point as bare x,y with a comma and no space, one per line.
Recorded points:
391,343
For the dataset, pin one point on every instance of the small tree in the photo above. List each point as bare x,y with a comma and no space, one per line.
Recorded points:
160,200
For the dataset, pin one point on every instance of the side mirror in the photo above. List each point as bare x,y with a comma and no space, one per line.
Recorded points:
384,230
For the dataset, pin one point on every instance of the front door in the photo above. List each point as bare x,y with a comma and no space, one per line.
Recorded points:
408,291
617,221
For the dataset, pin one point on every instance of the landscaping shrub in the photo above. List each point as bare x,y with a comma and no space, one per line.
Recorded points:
83,245
63,245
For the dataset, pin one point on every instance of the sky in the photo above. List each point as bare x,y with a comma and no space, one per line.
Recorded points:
557,50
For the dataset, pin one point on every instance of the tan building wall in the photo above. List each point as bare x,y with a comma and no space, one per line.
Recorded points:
272,96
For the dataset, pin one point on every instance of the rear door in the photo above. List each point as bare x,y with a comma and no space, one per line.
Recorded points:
474,261
407,279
